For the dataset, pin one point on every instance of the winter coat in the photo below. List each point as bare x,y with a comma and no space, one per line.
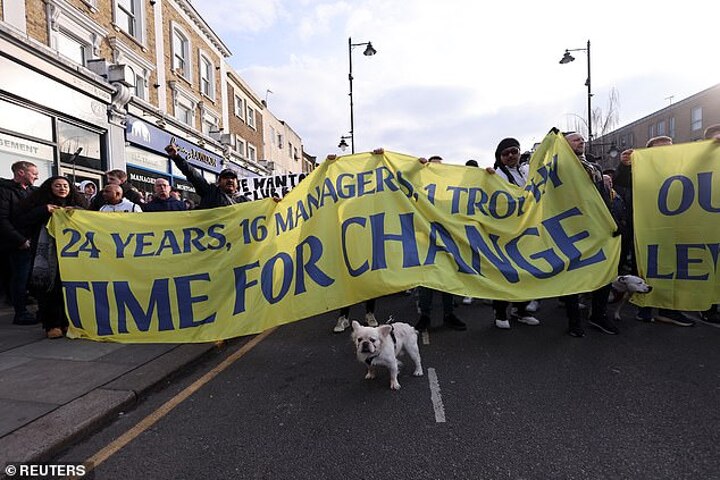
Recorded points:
11,193
210,194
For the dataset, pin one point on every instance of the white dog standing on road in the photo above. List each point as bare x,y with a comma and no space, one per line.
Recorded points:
627,285
381,346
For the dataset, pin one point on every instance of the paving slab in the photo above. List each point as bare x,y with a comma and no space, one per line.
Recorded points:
16,336
42,439
55,381
151,373
137,354
15,413
7,362
64,349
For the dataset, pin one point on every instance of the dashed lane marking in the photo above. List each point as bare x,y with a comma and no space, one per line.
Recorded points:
435,396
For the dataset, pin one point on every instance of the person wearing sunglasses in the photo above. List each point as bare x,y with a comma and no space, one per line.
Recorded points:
507,165
507,162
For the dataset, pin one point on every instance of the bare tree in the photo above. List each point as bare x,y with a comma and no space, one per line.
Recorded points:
604,121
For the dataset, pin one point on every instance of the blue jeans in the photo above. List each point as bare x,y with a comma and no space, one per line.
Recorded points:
20,264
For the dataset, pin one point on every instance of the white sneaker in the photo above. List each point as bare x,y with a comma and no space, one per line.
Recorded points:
502,323
467,300
371,320
533,306
529,320
341,325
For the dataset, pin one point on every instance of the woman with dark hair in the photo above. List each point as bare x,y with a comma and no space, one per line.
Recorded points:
55,193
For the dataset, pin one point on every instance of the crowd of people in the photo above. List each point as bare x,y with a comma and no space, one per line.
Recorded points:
29,258
615,188
29,261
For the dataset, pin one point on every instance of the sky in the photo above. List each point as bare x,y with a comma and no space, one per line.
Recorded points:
453,78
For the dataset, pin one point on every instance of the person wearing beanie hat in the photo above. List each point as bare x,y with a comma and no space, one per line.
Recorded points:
507,162
507,165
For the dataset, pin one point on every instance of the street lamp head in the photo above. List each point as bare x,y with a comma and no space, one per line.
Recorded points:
369,51
567,58
343,144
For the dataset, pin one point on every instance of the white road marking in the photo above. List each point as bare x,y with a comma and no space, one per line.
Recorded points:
435,396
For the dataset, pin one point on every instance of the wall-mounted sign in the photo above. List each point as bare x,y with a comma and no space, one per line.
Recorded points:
149,136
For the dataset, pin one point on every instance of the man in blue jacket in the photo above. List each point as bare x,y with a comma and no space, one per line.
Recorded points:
162,201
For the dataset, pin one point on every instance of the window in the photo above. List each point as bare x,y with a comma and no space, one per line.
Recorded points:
181,53
25,121
122,54
696,121
14,149
240,146
185,103
209,120
72,48
295,154
290,149
671,127
73,137
184,114
239,107
207,77
651,131
250,117
280,140
208,125
661,127
251,153
128,16
74,35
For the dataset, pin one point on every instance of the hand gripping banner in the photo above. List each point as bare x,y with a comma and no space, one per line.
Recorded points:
358,227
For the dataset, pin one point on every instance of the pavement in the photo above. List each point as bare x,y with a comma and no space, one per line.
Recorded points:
54,392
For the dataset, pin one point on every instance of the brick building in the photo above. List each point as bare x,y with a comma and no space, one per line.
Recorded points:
683,121
92,85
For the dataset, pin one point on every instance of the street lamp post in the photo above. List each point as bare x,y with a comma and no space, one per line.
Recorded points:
343,144
369,51
567,58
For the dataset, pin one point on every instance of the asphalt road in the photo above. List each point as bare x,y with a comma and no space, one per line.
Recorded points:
530,403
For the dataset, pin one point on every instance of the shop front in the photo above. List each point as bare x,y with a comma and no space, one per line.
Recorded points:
146,158
50,116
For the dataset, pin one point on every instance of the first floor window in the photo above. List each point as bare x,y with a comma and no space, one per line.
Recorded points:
184,114
72,48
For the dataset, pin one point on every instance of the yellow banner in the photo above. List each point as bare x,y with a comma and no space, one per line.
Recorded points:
676,192
359,227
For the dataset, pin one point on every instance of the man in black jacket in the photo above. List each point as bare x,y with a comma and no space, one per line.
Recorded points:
15,246
220,194
598,318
